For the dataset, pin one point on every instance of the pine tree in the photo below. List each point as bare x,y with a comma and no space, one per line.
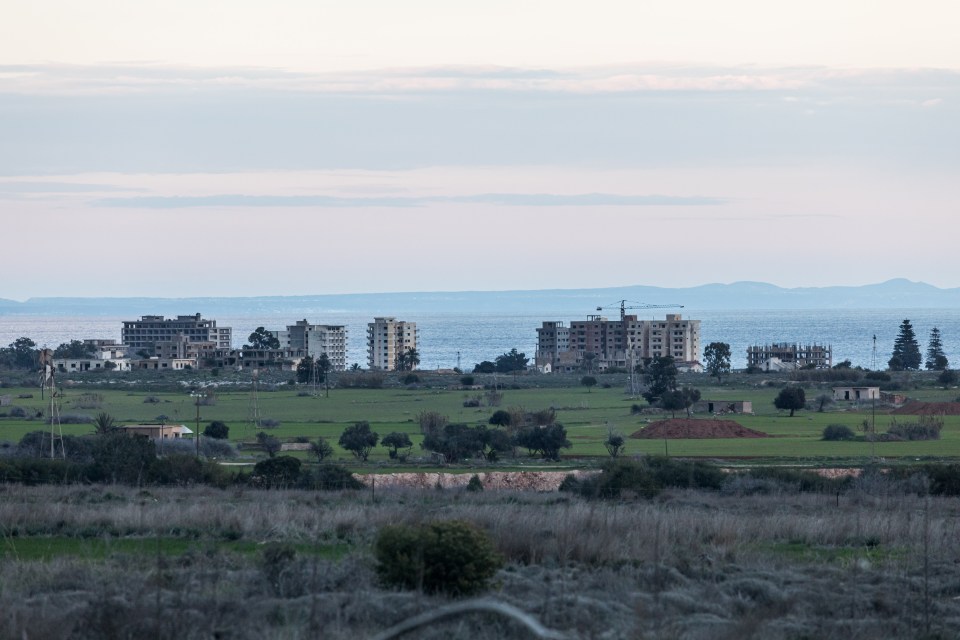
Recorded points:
906,351
936,358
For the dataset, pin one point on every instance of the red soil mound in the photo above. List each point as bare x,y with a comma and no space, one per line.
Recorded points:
917,408
680,428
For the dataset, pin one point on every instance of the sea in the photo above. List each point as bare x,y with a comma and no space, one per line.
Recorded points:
465,337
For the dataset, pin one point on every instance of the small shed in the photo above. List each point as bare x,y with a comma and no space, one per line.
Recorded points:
856,394
723,406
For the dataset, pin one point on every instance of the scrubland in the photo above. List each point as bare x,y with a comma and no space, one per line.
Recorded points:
121,562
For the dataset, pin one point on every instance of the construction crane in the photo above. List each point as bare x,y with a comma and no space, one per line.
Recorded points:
636,305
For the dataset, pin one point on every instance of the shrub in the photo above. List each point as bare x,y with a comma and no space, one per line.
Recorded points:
282,471
89,401
334,477
926,428
411,378
881,376
467,381
269,423
570,484
947,377
217,430
475,484
837,432
500,418
944,479
685,474
617,479
451,557
17,412
151,400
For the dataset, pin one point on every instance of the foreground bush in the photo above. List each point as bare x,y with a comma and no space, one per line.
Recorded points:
451,557
837,433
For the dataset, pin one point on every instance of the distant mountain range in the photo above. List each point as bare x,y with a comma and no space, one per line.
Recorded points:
893,294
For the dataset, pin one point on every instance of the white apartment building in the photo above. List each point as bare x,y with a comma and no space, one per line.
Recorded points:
316,340
386,339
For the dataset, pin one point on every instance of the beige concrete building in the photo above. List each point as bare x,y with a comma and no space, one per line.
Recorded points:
158,431
781,356
316,340
598,343
149,331
387,337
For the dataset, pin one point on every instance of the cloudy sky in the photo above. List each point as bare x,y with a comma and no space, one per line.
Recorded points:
237,147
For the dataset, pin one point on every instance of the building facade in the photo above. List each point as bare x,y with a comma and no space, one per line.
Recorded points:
597,343
149,331
316,340
782,356
388,337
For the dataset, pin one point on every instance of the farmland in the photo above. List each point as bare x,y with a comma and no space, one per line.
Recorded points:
588,415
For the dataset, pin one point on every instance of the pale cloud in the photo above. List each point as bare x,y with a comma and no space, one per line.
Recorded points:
65,79
326,201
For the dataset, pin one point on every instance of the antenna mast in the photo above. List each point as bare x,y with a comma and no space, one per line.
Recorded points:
254,408
48,380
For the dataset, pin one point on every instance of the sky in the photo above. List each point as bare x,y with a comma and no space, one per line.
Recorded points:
233,148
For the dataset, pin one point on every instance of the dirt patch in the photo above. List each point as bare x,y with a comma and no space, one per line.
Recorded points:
917,408
682,428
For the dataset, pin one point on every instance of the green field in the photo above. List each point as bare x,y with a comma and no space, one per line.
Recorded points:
587,414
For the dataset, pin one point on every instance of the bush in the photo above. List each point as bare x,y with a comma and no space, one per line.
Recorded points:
617,479
685,474
880,376
837,433
927,428
944,479
217,430
334,477
281,471
467,381
475,484
411,378
451,557
269,423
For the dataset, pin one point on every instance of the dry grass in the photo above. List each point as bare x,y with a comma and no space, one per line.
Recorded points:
689,564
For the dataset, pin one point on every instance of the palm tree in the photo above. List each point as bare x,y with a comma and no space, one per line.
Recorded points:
407,360
104,423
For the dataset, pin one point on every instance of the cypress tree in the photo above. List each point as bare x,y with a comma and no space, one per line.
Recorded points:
936,358
906,351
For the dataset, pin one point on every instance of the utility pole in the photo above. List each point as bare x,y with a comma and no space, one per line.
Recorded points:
196,395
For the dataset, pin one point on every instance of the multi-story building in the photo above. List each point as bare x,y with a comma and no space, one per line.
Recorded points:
553,338
149,331
598,343
785,355
316,340
386,339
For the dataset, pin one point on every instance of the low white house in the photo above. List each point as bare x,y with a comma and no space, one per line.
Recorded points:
73,365
855,394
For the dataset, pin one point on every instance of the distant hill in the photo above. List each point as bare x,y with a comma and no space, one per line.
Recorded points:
898,293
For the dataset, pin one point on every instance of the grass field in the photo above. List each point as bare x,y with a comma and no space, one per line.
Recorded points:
587,415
